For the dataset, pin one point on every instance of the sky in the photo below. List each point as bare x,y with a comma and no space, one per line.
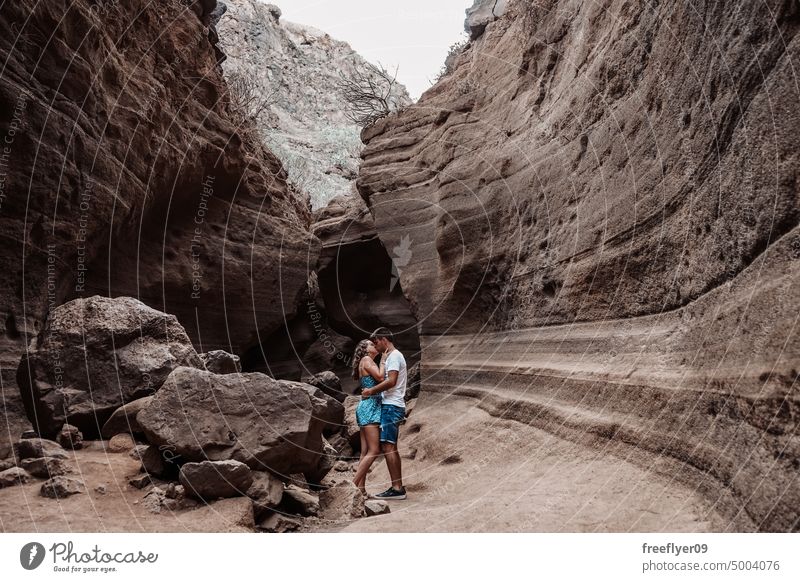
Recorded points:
414,34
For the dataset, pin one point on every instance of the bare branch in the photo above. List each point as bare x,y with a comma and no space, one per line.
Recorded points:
369,93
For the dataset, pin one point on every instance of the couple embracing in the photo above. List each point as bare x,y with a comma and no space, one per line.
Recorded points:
382,408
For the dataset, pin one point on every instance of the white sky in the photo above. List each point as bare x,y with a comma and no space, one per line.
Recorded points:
414,34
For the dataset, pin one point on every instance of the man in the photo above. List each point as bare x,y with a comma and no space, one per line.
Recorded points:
393,408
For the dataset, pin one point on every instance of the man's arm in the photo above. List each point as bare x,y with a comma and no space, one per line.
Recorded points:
387,384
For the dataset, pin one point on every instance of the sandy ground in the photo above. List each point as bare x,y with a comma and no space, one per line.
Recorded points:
465,471
119,509
471,472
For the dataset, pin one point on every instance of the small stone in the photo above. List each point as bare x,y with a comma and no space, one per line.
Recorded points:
29,434
121,443
101,490
376,507
214,479
70,437
174,491
35,448
61,487
138,451
266,492
7,464
13,476
279,523
296,500
44,468
153,462
342,501
140,481
341,466
123,420
221,362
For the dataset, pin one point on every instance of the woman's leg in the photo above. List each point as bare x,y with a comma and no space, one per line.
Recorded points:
362,435
372,434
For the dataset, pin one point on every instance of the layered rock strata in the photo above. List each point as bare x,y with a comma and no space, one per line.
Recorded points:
602,207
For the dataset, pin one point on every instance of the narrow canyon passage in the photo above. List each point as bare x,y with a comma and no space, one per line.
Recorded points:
474,472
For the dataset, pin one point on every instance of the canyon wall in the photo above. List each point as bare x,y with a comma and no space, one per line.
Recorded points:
600,208
124,174
294,73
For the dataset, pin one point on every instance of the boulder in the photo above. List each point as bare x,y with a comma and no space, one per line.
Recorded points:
95,355
121,443
70,437
13,476
155,463
140,481
327,459
123,419
267,424
266,492
342,501
328,382
300,501
45,467
209,480
350,430
138,451
376,507
36,448
168,498
60,487
481,14
7,464
413,384
280,523
221,362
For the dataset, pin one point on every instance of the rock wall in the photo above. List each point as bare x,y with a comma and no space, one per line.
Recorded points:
295,71
602,207
124,175
356,290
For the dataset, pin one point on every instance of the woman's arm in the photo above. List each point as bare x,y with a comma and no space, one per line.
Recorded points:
369,366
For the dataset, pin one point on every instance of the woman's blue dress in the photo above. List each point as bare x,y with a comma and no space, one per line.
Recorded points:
368,410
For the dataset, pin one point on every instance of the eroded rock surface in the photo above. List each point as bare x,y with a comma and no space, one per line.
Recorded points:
93,356
600,244
128,176
295,71
251,418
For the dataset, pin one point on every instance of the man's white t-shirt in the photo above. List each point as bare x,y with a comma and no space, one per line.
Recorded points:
396,362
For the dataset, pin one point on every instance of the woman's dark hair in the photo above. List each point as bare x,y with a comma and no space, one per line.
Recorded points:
358,355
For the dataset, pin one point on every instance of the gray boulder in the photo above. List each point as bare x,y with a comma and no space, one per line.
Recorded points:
36,448
44,468
343,501
123,419
61,487
266,492
300,501
266,423
13,476
481,14
93,356
216,479
221,362
328,382
69,437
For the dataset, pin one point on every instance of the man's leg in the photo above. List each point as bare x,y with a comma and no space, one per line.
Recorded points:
394,464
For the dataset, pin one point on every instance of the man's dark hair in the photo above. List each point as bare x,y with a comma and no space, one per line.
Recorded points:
383,333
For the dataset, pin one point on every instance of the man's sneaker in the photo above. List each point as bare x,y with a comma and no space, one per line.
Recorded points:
391,493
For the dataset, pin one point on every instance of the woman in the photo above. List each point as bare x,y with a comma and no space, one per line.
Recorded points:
368,412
